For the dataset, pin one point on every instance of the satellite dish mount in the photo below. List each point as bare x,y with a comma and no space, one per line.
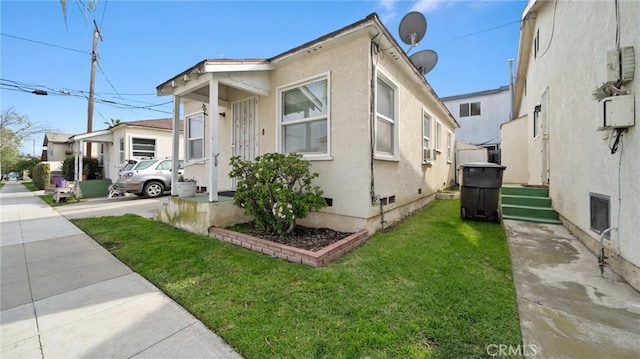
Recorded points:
412,29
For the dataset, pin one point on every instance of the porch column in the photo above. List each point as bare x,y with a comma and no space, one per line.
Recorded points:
175,154
78,161
213,133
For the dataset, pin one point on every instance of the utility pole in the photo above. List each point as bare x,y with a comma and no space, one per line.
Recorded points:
94,60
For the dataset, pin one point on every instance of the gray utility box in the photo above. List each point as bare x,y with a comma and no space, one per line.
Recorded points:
480,191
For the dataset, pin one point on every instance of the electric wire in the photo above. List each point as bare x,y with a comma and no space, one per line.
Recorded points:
46,43
553,28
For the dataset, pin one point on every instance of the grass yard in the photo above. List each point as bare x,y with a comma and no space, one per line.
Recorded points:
48,197
434,286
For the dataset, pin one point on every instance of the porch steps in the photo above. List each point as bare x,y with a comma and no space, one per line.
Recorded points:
530,204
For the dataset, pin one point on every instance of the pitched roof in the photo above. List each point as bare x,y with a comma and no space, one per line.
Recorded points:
56,137
476,94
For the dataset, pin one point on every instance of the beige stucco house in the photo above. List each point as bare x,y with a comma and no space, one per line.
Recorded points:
350,102
133,140
575,128
56,146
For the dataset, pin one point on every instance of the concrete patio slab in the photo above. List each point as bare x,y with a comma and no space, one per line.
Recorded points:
567,309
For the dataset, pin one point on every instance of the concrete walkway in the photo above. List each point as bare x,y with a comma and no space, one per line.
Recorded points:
567,309
63,296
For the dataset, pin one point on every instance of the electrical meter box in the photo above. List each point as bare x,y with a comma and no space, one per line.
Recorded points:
618,112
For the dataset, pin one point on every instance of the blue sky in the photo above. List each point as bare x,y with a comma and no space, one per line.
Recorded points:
147,42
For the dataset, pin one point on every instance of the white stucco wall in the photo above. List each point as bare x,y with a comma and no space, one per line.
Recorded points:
514,155
112,151
580,161
345,176
494,110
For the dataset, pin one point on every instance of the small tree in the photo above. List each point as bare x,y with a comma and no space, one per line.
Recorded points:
276,190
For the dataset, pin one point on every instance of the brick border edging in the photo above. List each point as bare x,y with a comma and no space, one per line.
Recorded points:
314,259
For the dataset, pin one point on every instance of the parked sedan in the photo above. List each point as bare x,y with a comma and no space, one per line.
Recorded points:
148,178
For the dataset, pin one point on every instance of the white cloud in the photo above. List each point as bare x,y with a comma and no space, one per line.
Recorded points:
430,5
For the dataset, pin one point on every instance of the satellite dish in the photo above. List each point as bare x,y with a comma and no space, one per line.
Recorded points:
412,28
424,60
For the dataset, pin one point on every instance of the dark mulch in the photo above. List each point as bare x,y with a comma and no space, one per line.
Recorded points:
311,239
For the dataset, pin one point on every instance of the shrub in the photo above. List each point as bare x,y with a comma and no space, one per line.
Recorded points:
91,168
41,175
276,189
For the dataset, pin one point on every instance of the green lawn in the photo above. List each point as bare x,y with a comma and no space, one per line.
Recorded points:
49,197
434,286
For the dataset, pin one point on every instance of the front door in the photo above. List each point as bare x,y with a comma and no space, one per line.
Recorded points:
244,130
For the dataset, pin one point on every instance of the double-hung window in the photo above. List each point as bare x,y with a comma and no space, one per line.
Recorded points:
195,137
304,118
426,137
470,109
386,118
143,147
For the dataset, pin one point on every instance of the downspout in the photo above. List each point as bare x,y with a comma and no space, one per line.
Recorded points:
375,199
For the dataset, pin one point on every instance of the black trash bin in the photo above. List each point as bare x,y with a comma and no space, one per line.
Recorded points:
480,191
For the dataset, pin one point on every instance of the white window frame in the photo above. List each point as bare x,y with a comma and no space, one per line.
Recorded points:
380,75
426,137
189,138
449,146
438,137
326,76
155,146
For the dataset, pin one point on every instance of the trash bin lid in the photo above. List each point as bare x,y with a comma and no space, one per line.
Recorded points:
482,165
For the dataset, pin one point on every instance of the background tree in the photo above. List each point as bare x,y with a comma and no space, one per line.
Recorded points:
14,129
112,123
86,9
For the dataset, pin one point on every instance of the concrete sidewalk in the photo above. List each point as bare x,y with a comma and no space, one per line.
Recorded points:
567,309
64,296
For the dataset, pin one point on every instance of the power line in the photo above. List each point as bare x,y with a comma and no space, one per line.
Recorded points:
104,10
46,43
485,30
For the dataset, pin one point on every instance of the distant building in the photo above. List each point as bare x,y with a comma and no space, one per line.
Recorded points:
55,146
480,115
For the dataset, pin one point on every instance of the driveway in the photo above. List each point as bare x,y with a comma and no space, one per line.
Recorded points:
117,206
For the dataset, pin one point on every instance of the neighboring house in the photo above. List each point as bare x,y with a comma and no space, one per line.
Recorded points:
56,146
480,115
574,134
351,102
132,140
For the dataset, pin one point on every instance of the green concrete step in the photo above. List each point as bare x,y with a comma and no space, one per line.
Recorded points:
526,200
529,211
525,191
532,219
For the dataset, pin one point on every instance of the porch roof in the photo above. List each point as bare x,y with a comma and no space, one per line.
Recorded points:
97,136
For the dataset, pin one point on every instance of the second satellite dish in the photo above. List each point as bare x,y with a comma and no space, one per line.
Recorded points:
412,28
424,60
